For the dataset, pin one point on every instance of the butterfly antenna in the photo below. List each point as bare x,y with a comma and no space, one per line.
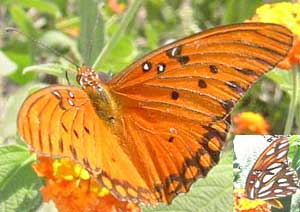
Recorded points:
67,77
11,29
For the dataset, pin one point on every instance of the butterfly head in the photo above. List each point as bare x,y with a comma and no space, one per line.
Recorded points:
98,92
87,77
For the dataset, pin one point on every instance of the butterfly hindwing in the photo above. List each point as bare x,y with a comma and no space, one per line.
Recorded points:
270,176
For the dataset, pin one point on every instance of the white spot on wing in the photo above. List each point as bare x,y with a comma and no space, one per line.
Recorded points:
257,184
71,102
278,191
146,66
56,93
173,130
71,94
173,52
282,180
264,194
265,188
290,173
280,195
251,194
161,68
274,165
275,171
267,178
286,143
271,151
283,184
282,154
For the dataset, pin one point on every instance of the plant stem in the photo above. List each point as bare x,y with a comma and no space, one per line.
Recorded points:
131,12
293,102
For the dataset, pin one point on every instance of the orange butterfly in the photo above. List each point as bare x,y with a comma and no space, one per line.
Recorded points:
151,131
270,177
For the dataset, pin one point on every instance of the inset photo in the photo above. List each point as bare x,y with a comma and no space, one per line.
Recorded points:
266,173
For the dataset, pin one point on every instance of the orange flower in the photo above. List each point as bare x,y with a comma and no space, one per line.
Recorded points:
242,204
250,123
286,14
71,188
116,7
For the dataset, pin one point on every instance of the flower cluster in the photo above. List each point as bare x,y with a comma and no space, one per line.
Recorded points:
250,123
286,14
72,188
243,204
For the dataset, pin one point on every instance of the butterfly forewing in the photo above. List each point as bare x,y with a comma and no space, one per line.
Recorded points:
168,111
179,97
271,177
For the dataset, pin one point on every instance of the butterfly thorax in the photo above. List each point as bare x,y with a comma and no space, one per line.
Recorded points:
98,92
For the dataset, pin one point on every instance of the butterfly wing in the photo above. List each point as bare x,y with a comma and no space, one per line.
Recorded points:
170,125
270,176
175,101
61,121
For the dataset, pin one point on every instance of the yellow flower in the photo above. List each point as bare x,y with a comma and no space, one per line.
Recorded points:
72,188
243,204
286,14
250,123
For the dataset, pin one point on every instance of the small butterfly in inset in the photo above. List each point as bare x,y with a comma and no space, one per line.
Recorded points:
270,177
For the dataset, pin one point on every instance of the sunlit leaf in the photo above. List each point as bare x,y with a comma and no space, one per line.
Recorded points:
213,193
19,184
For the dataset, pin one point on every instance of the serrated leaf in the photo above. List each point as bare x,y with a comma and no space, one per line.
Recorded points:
18,183
213,193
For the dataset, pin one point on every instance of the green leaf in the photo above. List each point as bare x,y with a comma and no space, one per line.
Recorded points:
239,11
60,42
126,20
22,59
49,68
25,24
14,102
18,183
283,79
213,193
40,5
91,38
125,51
22,20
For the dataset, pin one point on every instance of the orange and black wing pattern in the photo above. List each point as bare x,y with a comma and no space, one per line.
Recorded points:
170,113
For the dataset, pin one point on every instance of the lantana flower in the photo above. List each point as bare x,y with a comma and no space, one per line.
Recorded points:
250,123
243,204
72,188
116,7
286,14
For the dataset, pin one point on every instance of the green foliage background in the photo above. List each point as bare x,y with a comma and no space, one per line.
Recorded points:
115,41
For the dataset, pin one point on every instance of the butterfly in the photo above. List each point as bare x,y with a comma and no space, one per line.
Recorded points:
270,177
155,128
